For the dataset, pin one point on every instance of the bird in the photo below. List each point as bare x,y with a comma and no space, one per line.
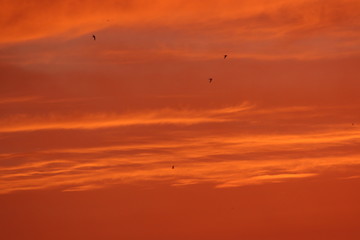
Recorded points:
173,167
225,56
210,80
94,37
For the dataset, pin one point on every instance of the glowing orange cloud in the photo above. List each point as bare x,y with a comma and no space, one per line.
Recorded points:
94,121
130,123
227,161
294,26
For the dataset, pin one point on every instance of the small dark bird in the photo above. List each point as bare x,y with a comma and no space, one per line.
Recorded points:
210,80
173,167
225,56
94,37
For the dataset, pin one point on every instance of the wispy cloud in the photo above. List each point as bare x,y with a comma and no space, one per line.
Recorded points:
20,123
105,173
118,97
18,99
302,29
226,160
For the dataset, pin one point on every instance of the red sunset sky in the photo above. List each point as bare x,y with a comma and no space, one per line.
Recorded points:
90,129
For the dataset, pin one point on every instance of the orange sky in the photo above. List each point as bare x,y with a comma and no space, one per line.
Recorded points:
89,129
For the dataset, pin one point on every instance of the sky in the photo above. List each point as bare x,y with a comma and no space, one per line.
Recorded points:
90,130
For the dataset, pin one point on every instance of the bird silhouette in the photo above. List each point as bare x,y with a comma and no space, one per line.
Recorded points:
173,167
225,56
210,80
94,37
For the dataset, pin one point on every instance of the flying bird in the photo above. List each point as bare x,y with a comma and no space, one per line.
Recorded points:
94,37
225,56
210,80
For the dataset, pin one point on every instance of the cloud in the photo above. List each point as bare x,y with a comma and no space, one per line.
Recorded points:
302,29
265,179
20,123
17,99
226,160
136,101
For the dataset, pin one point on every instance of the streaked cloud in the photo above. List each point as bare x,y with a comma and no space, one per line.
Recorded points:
19,123
231,159
78,114
302,29
18,99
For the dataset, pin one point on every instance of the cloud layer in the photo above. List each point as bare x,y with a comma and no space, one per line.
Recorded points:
302,29
226,159
79,114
